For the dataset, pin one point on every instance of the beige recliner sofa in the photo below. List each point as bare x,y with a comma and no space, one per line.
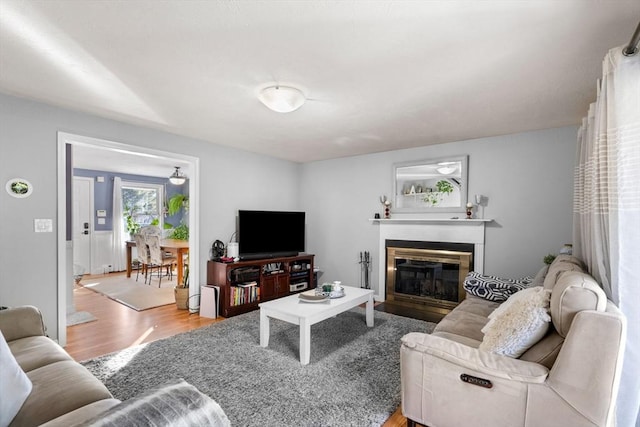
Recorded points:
569,378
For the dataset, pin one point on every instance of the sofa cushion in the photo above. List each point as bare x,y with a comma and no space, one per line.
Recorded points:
570,259
21,322
518,323
560,265
15,386
37,351
463,324
59,388
176,403
546,350
575,291
476,305
467,319
538,279
493,288
82,414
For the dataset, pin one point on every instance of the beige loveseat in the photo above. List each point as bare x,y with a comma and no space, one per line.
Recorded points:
63,393
568,378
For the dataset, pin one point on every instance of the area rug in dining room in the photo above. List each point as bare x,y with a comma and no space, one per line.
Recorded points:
353,378
79,317
134,294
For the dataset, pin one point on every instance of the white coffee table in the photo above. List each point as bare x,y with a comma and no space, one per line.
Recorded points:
291,309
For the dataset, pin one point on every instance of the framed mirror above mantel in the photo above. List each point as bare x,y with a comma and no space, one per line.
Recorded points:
431,185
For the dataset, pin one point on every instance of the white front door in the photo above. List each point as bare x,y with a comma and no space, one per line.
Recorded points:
82,223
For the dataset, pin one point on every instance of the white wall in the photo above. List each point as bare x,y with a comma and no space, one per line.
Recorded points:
527,178
230,180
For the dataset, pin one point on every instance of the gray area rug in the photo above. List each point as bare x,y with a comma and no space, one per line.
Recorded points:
353,378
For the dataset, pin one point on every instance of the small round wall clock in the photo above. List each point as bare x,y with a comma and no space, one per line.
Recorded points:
19,187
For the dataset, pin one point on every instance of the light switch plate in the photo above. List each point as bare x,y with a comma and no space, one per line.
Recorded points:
102,221
101,212
43,225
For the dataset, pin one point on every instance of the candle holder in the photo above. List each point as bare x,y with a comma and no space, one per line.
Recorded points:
469,210
386,207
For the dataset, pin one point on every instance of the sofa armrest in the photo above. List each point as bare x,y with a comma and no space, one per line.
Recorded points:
494,365
449,384
21,322
596,339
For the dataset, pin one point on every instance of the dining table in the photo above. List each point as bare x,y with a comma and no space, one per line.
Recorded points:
178,247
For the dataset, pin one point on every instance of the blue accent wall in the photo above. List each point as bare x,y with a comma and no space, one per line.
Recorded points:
103,194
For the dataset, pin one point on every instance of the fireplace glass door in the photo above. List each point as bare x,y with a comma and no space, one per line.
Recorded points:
432,277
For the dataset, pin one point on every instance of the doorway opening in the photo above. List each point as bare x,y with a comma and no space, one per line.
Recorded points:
131,155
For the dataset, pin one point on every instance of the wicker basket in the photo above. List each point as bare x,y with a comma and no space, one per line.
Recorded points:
182,298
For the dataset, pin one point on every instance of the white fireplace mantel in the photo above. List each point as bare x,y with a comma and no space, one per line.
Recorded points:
429,220
445,230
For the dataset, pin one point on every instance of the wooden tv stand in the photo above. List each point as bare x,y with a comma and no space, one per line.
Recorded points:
245,284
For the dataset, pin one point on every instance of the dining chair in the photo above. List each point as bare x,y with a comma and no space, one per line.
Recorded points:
150,230
159,258
143,255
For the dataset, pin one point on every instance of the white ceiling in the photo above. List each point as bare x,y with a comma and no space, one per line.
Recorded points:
379,75
121,161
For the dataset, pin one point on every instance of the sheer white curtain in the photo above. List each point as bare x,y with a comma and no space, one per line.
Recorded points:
607,207
119,239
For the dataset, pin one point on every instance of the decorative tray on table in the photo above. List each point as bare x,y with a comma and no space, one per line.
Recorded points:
312,298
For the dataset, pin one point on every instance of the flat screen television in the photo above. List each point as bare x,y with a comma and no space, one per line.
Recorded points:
270,234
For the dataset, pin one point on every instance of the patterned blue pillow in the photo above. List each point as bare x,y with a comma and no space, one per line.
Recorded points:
494,288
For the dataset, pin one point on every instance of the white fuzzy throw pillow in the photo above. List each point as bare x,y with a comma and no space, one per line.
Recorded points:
518,323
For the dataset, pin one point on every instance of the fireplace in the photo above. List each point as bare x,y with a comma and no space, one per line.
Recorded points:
423,261
428,274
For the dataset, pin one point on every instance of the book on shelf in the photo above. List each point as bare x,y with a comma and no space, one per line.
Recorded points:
244,293
247,284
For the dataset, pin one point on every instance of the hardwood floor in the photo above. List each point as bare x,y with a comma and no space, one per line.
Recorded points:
119,327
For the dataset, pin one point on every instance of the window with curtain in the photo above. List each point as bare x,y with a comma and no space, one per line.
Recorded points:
142,205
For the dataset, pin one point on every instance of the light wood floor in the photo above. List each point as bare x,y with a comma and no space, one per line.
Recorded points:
119,327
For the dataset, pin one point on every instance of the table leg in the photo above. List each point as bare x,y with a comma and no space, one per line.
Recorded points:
264,329
369,311
180,256
128,260
305,341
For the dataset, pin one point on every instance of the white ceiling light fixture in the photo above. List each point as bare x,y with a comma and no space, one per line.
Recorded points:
447,168
177,178
281,98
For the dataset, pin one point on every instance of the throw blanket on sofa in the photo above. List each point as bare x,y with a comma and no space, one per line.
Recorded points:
173,404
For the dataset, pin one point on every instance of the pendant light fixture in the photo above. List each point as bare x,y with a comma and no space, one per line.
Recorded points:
177,178
282,99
